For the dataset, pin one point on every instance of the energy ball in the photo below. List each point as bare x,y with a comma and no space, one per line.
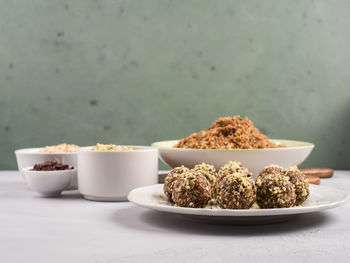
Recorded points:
191,190
299,182
275,191
271,169
231,168
208,171
171,178
236,192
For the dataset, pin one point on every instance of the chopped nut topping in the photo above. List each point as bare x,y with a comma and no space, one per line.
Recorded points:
110,147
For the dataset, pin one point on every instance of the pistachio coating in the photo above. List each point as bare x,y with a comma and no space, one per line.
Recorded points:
231,168
208,171
271,169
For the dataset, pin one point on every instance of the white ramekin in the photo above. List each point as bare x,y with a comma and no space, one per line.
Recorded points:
111,175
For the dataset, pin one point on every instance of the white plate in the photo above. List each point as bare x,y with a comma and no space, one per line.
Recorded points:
321,198
254,159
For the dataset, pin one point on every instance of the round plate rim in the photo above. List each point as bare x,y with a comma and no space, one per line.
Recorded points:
240,212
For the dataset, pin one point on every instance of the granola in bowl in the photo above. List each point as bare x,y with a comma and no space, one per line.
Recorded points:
228,133
60,148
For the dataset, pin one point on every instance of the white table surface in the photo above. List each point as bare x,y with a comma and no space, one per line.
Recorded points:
71,229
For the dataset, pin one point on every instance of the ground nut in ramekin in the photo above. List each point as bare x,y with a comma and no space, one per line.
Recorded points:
111,175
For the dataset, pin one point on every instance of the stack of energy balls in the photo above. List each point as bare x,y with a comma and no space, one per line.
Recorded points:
233,187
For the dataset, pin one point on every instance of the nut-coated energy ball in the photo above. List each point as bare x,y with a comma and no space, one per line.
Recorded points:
171,178
236,192
275,191
191,190
299,182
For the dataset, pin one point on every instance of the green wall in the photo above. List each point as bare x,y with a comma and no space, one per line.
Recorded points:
134,72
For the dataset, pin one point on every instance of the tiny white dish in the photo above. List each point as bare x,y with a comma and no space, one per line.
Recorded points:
321,198
111,175
31,156
254,159
48,183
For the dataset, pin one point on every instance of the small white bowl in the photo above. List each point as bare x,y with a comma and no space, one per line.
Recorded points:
31,156
254,159
111,175
48,183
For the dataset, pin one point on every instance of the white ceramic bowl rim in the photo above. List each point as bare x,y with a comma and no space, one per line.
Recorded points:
36,151
136,148
289,143
28,170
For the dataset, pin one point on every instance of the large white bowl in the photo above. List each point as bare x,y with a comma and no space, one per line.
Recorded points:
30,156
111,175
254,159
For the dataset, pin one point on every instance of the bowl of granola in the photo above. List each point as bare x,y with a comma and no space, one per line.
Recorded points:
233,138
61,153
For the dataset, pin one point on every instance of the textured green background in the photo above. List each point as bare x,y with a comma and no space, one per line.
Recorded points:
134,72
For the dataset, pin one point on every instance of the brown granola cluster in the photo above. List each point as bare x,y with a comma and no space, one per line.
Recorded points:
228,133
233,187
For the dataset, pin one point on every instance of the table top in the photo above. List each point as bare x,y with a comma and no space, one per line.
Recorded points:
72,229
